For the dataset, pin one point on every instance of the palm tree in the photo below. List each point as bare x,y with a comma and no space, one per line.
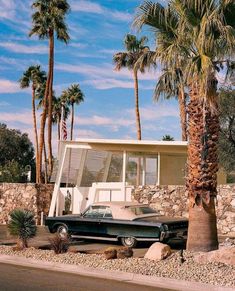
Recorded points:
23,225
48,21
36,77
57,112
73,95
167,137
197,36
134,58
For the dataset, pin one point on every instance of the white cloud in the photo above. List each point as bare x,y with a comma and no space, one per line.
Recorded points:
7,86
109,83
123,16
105,77
87,6
7,9
103,121
95,8
158,111
4,103
17,64
78,45
23,117
24,49
86,133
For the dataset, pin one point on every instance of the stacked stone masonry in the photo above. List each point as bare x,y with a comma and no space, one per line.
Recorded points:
26,196
172,201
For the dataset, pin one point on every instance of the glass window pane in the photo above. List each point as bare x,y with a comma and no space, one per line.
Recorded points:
151,170
115,168
94,167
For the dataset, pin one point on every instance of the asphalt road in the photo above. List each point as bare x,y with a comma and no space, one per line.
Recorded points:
17,278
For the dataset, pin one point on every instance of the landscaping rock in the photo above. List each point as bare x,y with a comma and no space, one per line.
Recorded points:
125,252
158,251
110,253
212,273
225,255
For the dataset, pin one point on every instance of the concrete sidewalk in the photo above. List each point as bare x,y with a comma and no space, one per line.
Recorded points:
112,275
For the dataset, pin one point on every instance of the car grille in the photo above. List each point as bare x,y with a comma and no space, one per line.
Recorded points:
179,225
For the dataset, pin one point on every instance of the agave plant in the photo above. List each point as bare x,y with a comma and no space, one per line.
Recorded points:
22,224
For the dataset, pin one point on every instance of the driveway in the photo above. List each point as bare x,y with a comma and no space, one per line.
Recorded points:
87,246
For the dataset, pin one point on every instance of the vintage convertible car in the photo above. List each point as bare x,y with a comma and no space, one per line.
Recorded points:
126,222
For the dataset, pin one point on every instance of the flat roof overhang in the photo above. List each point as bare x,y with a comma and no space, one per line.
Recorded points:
130,145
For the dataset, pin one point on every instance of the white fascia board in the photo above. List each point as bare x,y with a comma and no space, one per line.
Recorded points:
130,142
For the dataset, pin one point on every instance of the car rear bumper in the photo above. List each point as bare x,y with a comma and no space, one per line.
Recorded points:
181,233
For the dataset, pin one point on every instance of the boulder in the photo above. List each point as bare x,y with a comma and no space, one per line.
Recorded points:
158,251
125,252
224,255
110,253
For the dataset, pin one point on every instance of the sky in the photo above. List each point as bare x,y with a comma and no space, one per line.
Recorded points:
97,29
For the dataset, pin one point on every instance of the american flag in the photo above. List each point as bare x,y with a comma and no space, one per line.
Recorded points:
64,129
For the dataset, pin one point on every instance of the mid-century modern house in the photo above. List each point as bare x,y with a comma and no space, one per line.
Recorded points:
92,170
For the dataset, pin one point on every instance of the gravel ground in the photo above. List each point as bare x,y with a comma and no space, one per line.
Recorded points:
211,273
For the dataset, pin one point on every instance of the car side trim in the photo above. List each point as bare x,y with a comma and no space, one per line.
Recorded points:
111,239
94,237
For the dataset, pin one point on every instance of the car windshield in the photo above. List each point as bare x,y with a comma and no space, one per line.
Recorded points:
140,210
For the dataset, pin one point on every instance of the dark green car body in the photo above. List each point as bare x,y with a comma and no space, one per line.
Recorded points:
146,227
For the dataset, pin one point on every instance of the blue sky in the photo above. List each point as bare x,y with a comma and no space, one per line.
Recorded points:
97,29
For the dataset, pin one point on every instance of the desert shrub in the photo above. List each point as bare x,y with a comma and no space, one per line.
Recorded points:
22,224
59,244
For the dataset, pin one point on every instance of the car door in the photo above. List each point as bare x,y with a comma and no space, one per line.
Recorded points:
91,223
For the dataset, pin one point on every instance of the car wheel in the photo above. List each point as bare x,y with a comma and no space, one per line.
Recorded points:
62,231
129,241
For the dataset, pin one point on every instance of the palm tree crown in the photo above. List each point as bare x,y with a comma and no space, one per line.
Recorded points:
135,48
50,17
33,75
73,95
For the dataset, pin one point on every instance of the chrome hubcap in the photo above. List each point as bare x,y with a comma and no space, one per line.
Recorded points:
129,240
62,231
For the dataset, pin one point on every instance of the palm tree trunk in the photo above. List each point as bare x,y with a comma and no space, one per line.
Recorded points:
35,131
203,131
183,114
58,133
72,122
137,111
138,125
42,127
50,93
45,165
42,136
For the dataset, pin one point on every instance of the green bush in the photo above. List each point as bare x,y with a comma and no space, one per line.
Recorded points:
22,224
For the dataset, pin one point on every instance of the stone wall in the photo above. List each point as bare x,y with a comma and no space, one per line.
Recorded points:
172,201
30,196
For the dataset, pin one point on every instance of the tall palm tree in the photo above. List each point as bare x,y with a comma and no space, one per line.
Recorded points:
201,34
36,77
73,95
136,50
48,21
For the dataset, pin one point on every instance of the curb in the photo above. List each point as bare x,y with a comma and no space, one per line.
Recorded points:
112,275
